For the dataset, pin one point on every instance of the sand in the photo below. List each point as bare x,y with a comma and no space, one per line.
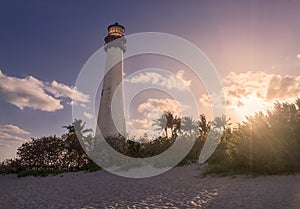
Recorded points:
181,187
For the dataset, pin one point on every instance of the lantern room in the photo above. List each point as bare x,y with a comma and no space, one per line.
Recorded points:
115,31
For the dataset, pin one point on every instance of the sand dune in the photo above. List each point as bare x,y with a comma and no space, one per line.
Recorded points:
179,188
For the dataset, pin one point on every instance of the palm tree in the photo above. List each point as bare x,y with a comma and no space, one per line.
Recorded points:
176,126
168,121
204,126
220,122
189,125
161,123
76,154
78,128
298,103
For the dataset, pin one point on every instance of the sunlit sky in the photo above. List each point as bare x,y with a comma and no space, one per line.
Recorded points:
254,46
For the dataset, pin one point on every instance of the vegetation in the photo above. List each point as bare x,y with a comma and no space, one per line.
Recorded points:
38,172
263,144
51,155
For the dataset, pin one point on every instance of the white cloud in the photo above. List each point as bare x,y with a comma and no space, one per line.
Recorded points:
9,137
298,56
62,90
142,124
27,92
13,129
32,93
152,110
88,115
160,105
170,81
9,132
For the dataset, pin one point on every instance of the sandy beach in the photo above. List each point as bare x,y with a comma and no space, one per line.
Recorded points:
181,187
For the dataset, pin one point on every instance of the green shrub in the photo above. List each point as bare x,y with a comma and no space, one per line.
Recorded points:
92,167
39,172
264,144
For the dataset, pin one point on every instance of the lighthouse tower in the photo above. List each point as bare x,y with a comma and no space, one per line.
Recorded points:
111,119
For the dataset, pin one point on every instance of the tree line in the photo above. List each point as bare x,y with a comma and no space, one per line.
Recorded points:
52,153
266,143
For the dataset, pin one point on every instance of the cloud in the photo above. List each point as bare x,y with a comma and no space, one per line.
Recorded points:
256,91
298,56
283,87
154,106
169,81
27,92
88,115
3,145
13,129
143,124
62,90
152,110
9,132
30,92
9,137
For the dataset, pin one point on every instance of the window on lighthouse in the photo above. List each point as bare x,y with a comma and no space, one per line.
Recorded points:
115,31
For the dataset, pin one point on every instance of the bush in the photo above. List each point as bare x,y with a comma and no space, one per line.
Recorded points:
264,144
39,172
92,167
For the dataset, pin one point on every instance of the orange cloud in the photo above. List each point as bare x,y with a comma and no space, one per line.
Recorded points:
250,92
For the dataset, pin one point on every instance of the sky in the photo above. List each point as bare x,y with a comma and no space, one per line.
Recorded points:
254,46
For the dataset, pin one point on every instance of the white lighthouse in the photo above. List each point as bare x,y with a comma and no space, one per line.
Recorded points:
111,119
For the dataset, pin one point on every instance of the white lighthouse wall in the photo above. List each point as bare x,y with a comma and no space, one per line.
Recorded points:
108,110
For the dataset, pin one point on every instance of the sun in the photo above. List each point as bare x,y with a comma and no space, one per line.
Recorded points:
249,105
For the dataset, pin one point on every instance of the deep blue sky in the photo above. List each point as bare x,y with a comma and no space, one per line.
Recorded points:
51,40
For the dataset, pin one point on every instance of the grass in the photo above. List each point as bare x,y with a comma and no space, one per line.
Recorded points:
39,172
91,168
43,172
